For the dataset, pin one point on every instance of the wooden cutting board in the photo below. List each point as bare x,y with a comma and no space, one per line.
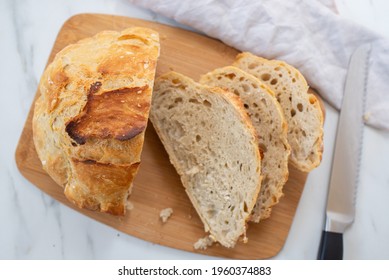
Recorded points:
157,185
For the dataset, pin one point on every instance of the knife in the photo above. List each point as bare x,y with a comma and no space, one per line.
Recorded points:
340,210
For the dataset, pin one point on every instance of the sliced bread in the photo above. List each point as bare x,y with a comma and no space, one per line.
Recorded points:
301,109
268,119
213,146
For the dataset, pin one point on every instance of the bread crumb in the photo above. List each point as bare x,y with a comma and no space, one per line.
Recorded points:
204,243
165,214
366,116
130,206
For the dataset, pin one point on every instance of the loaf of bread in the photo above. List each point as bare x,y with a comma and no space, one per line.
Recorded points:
268,119
90,117
213,146
301,109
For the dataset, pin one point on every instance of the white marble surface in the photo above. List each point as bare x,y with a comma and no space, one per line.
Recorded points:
34,226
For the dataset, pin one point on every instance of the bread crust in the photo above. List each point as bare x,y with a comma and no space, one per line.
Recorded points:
90,118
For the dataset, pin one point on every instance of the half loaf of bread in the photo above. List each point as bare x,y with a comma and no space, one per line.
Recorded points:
268,119
301,109
90,118
213,146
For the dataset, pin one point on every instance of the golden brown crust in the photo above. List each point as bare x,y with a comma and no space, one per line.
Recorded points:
100,186
117,114
90,118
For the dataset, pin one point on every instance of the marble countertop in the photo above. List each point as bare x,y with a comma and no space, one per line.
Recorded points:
35,226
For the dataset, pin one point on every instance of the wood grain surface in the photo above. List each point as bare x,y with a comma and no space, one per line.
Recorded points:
157,185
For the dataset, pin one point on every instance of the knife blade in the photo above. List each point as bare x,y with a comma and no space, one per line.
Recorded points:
340,210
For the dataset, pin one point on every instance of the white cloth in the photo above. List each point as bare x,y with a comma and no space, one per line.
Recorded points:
307,34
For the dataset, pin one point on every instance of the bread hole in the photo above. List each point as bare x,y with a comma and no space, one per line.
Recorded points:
255,105
245,208
176,81
246,106
262,147
266,181
241,79
206,103
270,137
265,77
292,112
211,213
273,82
246,88
254,85
219,78
230,76
226,165
226,222
280,75
232,208
194,100
241,167
277,69
263,100
252,66
300,107
198,138
293,80
312,99
178,100
236,92
303,133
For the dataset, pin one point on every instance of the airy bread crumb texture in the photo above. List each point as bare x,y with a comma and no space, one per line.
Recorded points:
301,109
269,122
213,146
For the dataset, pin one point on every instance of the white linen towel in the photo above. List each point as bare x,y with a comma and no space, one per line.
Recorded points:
307,34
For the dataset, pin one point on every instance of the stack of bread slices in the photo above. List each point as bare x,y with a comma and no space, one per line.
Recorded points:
231,135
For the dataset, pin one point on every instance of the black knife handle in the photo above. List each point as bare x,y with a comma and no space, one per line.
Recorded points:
331,246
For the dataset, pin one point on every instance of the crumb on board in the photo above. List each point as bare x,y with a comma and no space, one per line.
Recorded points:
366,116
204,243
130,206
165,214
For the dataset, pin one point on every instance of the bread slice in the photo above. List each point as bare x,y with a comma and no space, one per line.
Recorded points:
268,119
213,146
90,118
301,109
